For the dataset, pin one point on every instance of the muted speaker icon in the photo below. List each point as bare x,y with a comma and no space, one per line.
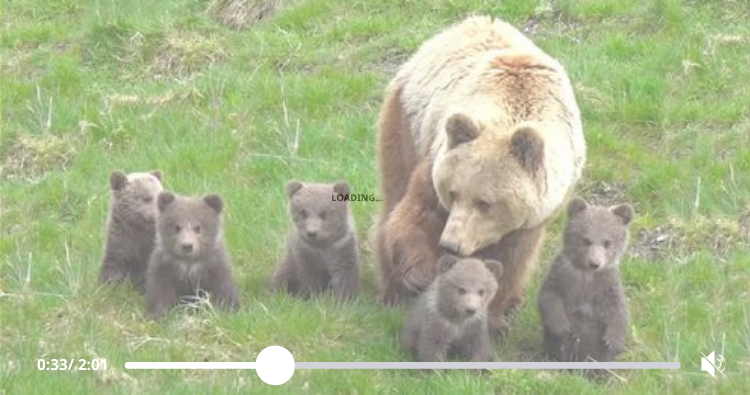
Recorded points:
708,364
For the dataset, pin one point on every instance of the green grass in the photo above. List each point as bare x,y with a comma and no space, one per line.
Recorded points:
90,87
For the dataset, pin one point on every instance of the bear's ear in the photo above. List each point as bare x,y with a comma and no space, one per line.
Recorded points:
495,267
157,174
342,188
293,187
624,211
118,180
446,262
214,201
164,200
528,148
461,129
576,205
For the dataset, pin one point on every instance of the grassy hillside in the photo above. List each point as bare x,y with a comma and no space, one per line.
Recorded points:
87,87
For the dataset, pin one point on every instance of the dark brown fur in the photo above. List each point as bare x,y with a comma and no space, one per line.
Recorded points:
450,318
190,255
582,303
396,153
405,258
131,229
322,251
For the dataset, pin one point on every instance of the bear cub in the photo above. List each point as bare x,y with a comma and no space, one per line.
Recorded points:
581,302
321,251
131,227
190,255
449,319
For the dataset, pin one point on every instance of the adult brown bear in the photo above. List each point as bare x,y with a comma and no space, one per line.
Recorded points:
480,143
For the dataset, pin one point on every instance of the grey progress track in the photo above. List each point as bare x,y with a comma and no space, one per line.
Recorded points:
487,365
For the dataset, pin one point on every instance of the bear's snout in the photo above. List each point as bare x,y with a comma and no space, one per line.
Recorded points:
597,257
472,302
312,228
188,244
450,246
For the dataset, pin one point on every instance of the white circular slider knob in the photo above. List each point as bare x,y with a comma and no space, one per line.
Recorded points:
274,365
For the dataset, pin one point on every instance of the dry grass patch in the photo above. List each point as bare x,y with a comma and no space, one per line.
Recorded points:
682,238
33,156
240,14
605,194
184,53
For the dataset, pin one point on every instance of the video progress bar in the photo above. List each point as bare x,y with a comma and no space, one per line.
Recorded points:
411,365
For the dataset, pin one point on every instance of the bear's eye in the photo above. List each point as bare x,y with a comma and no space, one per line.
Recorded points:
481,292
177,228
303,213
587,242
482,206
323,215
148,199
197,228
453,195
607,243
461,291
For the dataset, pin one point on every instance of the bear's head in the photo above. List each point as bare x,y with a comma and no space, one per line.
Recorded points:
320,212
595,237
490,183
466,286
134,195
189,227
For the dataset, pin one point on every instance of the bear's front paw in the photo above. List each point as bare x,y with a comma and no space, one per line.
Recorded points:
614,343
499,326
569,347
389,299
416,281
394,295
513,306
111,275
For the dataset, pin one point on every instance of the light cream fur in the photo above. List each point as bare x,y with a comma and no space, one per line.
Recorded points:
490,72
